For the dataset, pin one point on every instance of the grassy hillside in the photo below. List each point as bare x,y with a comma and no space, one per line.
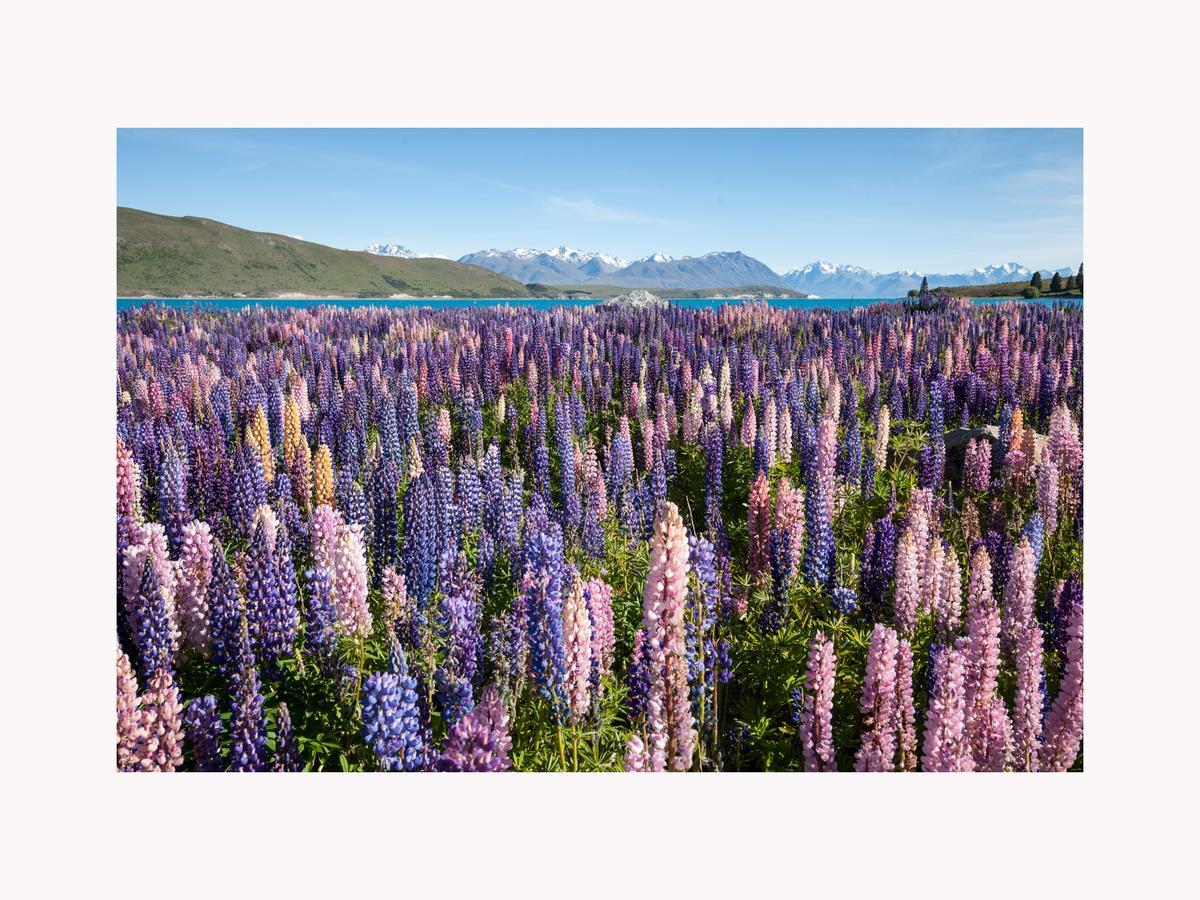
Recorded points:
169,256
604,291
1004,289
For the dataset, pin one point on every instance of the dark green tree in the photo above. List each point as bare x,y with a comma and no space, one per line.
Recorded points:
1056,283
1030,293
1036,280
924,285
1079,279
913,292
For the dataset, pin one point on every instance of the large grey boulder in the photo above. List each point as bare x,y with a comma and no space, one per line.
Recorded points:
956,446
635,299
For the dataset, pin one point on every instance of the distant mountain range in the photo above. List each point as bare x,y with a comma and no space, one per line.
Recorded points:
828,280
400,252
565,266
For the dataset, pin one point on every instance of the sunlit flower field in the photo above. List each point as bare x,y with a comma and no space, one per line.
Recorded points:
588,539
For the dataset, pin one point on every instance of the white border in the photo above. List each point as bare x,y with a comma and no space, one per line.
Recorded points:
74,72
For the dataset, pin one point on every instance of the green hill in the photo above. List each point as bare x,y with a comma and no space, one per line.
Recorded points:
1003,289
168,256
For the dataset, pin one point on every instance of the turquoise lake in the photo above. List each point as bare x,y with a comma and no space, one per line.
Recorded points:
124,303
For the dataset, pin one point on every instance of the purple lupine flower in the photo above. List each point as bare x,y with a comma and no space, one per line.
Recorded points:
383,721
542,599
287,753
224,615
248,724
172,498
479,742
816,716
202,725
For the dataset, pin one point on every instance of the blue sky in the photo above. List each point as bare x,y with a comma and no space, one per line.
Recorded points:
925,199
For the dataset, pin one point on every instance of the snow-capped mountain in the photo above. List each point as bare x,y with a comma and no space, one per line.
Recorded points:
561,265
401,252
828,280
720,269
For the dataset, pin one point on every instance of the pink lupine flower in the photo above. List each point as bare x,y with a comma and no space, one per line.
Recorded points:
350,582
598,594
129,486
982,663
1018,592
946,746
264,515
878,749
784,440
749,426
789,516
908,584
827,456
906,715
669,723
931,585
395,598
150,539
770,429
759,527
577,650
159,742
326,528
1064,723
1064,447
1027,703
882,434
816,716
1047,493
636,758
947,608
128,719
195,573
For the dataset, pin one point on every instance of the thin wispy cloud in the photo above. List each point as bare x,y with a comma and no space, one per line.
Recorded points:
590,211
242,170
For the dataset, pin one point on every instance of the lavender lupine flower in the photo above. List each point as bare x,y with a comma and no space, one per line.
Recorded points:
977,465
224,615
395,599
1027,702
152,630
383,719
878,749
420,540
287,753
479,742
172,497
320,617
158,746
669,724
542,588
1047,493
816,716
818,530
1064,724
577,650
202,724
195,575
598,596
947,748
458,619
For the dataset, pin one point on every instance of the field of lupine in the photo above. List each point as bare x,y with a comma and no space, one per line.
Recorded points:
589,539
